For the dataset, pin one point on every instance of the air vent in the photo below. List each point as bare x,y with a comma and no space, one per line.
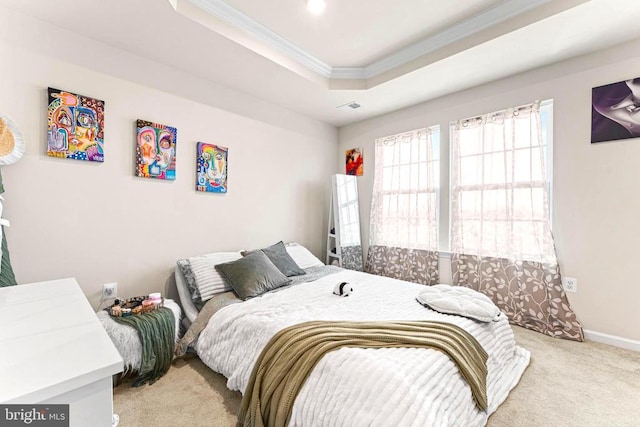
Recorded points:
349,106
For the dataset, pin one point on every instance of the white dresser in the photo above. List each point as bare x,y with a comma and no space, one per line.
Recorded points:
54,350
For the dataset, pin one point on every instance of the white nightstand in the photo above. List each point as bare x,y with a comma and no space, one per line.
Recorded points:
54,350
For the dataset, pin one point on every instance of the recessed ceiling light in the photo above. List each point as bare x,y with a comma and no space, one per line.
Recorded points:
316,6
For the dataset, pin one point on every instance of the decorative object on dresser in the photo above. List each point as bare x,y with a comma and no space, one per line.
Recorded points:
344,248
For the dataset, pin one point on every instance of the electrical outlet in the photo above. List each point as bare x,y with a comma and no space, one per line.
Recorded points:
109,291
570,284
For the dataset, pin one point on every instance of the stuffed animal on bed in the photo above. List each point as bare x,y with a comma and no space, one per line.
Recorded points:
343,289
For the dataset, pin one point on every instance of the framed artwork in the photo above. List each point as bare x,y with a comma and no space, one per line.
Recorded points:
156,150
615,111
211,168
75,126
354,162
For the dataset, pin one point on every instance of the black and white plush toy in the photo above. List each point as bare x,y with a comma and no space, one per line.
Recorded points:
343,289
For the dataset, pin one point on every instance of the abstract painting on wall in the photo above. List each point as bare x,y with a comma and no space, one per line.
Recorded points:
354,162
615,111
211,168
75,126
156,150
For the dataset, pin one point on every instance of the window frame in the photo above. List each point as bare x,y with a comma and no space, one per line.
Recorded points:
546,108
436,132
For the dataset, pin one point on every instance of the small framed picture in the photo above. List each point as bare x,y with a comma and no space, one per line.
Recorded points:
75,126
615,111
211,168
156,150
354,162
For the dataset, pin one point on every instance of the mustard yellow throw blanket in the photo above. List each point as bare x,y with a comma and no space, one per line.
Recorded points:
290,356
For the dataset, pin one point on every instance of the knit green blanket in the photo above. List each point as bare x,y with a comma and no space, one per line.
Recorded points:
156,330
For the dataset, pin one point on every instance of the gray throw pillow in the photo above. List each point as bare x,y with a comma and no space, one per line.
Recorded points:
252,275
281,259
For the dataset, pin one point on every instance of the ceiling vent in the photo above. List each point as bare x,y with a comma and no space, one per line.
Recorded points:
349,106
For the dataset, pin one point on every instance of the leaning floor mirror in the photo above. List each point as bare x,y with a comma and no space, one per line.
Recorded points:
343,244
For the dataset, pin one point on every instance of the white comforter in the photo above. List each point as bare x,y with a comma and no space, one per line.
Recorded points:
364,387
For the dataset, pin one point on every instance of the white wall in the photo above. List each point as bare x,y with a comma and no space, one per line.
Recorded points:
596,202
99,223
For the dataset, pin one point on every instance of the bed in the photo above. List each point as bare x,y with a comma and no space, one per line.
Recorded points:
359,386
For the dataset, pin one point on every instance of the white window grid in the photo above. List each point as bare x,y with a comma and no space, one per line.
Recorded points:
546,111
406,215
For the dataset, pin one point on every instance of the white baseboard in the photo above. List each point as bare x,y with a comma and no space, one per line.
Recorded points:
612,340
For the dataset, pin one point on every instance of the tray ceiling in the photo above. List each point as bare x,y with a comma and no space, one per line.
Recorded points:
227,63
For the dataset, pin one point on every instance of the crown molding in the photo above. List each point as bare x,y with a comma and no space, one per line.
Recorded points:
481,21
495,15
348,73
240,21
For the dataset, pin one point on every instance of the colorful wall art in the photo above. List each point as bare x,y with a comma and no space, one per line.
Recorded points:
211,168
156,150
354,162
75,126
614,111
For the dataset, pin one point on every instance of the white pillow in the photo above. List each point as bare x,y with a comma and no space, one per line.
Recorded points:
302,256
461,301
206,279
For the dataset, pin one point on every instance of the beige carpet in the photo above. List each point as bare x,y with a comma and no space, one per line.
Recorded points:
566,384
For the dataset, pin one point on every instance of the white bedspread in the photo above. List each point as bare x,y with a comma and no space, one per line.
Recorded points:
363,387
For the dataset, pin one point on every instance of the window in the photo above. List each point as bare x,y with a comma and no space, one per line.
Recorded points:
500,184
405,196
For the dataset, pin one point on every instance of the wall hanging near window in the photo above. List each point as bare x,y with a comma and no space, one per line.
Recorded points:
211,168
354,162
614,111
501,240
156,150
75,126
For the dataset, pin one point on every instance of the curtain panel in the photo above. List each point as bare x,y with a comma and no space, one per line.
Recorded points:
529,293
352,257
403,227
501,235
412,265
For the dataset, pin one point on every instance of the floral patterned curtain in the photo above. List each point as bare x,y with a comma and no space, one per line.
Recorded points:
403,227
412,265
501,236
